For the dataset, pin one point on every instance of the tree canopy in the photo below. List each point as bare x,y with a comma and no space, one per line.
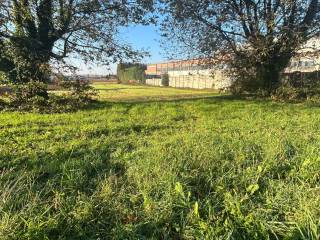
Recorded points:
262,35
35,32
127,72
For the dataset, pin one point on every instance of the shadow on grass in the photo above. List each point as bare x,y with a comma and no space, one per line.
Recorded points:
217,99
78,175
207,99
117,89
242,101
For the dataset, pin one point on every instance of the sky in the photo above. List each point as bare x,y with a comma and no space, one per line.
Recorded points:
140,37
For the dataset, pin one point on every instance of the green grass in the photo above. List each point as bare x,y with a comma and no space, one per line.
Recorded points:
212,168
122,92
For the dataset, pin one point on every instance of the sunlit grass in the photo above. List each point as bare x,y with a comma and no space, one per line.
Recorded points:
212,168
122,92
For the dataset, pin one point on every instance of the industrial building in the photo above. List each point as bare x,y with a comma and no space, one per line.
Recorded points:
193,74
197,74
187,74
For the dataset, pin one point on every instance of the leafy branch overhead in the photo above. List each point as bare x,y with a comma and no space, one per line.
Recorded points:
34,32
264,34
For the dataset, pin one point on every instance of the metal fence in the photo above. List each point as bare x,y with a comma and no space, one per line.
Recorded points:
302,79
154,81
191,81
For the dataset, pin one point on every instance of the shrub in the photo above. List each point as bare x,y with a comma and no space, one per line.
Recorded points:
294,88
23,92
3,78
289,93
30,96
244,75
3,104
130,72
165,79
79,89
33,96
244,85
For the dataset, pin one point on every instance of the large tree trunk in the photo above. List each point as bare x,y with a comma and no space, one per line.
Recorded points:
31,66
31,60
6,63
269,77
33,41
269,72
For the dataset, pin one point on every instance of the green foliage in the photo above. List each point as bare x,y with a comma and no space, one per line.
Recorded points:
214,168
30,96
297,88
33,97
3,78
290,93
165,80
80,90
131,72
244,75
33,34
265,35
6,64
3,104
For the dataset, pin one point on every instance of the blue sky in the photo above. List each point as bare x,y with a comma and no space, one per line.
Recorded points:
140,37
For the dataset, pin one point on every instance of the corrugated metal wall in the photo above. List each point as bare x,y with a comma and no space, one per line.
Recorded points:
154,81
199,79
179,79
191,81
187,74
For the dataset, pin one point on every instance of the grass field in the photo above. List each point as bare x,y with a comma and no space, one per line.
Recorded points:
124,93
211,168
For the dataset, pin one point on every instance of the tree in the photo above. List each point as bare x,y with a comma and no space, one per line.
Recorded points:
127,72
33,33
260,36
